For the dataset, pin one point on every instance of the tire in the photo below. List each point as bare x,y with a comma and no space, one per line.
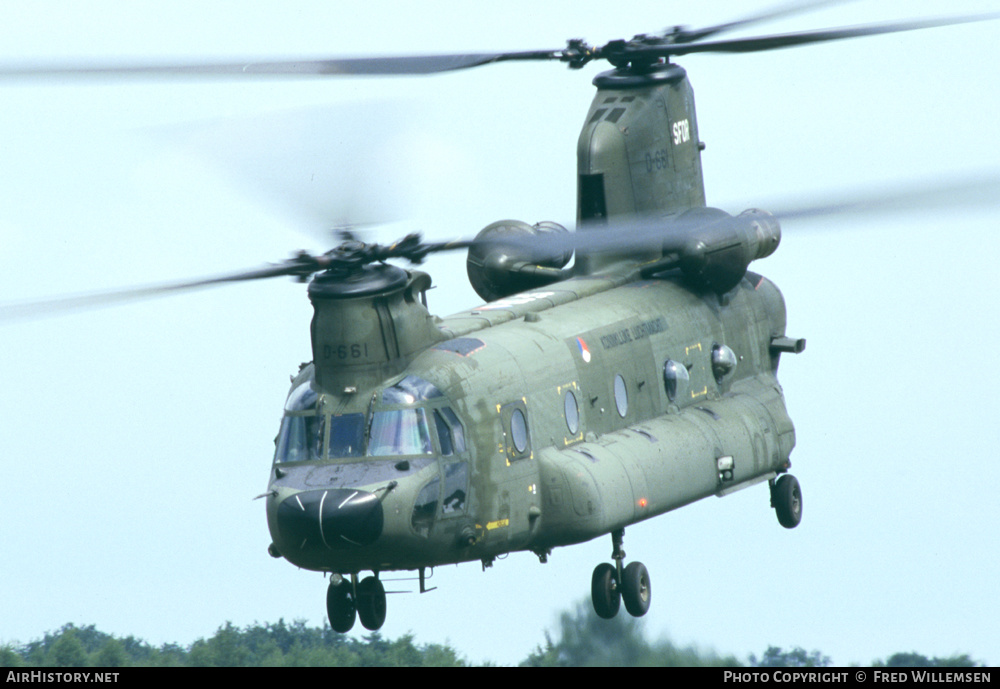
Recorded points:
340,605
636,589
605,592
787,497
371,603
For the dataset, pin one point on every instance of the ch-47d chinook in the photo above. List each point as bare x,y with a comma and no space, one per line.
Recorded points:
575,401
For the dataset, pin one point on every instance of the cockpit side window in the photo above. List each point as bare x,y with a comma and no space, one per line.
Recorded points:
456,486
456,483
451,435
425,507
301,436
444,435
302,398
300,439
458,431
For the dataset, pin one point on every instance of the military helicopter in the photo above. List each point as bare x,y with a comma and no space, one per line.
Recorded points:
433,475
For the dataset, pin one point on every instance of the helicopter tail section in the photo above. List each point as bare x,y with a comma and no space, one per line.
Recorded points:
639,151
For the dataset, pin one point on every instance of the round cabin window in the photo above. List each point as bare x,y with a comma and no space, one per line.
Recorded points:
675,379
621,396
519,431
572,412
723,361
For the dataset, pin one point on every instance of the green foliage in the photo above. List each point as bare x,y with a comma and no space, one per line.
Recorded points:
258,645
918,660
9,657
112,654
797,657
586,640
775,657
582,639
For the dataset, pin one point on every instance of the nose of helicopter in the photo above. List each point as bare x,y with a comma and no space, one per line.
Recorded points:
336,518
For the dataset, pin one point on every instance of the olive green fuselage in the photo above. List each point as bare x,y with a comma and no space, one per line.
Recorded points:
567,428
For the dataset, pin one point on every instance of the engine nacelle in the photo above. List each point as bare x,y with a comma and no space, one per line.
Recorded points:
715,256
497,271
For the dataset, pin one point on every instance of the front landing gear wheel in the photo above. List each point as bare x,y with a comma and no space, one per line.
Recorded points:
341,607
605,592
371,603
636,591
786,498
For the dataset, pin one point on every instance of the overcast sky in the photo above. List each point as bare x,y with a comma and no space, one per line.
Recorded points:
133,439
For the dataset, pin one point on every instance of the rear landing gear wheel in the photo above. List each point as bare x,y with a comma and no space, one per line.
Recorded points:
605,592
636,591
612,583
786,498
341,607
371,603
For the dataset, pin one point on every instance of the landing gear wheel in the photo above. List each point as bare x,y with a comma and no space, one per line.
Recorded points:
341,607
636,591
786,497
371,603
605,592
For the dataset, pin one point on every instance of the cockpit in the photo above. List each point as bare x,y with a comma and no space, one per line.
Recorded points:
407,427
404,419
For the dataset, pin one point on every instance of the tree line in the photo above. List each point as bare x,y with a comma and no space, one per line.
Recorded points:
581,639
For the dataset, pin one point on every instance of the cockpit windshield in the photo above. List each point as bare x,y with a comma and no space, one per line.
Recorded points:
301,437
389,429
347,433
399,432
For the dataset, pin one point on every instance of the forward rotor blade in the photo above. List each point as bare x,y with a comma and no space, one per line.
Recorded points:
301,265
762,43
346,164
361,66
618,235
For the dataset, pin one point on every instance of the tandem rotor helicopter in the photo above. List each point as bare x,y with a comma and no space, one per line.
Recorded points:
577,400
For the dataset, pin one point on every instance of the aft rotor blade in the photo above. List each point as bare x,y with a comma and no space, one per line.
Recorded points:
576,54
638,233
684,35
762,43
980,192
670,232
360,66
